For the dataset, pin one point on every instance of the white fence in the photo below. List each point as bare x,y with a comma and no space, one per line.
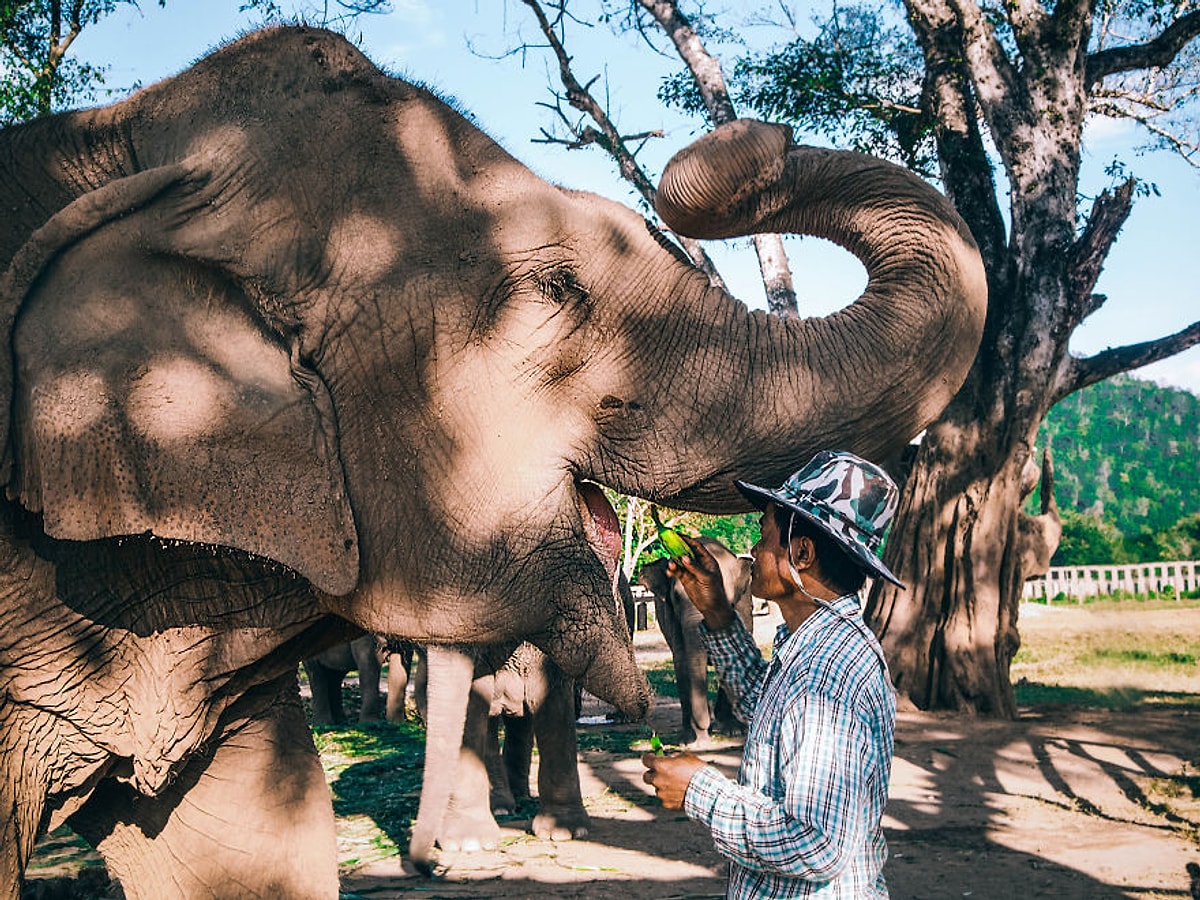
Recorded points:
1077,582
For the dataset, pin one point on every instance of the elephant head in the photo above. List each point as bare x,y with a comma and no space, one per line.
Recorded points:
288,304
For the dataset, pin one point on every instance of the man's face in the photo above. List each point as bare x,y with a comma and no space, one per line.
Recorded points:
769,558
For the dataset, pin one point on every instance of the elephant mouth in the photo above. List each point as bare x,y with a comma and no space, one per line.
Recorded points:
600,524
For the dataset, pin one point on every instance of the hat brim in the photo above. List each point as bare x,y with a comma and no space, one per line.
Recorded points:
760,497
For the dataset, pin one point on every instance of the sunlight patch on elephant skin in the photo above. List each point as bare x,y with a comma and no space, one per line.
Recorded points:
362,249
178,400
75,402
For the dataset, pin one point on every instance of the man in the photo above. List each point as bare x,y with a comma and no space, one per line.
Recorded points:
803,818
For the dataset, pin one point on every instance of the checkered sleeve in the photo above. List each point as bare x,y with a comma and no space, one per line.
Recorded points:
739,664
812,825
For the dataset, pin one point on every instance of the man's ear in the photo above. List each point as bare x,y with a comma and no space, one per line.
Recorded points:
804,552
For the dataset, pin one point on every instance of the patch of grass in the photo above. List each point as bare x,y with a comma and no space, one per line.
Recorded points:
1165,658
1123,699
374,772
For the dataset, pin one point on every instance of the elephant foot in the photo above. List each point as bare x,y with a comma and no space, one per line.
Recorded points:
503,803
729,729
561,825
469,832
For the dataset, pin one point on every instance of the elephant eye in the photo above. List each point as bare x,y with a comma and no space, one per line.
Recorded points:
560,286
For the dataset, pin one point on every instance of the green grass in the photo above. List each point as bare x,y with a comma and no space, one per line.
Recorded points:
1109,655
374,772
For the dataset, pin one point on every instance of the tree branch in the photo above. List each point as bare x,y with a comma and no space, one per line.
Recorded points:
610,138
1087,255
705,68
948,100
706,71
1077,373
1154,54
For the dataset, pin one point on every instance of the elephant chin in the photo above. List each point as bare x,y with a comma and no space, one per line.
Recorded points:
605,663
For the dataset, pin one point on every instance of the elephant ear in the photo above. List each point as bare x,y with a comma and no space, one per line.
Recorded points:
149,395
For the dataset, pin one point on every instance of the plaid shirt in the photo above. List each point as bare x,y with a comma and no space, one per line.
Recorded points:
803,818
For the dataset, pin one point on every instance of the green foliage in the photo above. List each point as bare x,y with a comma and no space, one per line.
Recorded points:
856,83
36,74
1127,472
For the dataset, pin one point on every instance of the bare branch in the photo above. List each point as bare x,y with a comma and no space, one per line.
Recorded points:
1087,255
706,71
1077,373
1156,53
610,138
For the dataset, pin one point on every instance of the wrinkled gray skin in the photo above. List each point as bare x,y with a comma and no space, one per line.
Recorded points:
679,622
269,314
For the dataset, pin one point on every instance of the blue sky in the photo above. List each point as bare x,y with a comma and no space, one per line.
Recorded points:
458,47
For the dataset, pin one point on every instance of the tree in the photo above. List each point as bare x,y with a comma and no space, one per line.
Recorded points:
38,74
997,95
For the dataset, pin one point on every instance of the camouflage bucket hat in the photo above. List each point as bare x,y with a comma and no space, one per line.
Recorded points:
848,498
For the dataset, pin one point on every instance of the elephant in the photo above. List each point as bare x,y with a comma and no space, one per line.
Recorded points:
366,655
680,621
291,342
1038,536
329,668
521,691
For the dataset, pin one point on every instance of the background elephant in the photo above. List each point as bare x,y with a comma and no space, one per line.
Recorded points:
1038,536
328,669
680,624
365,655
267,315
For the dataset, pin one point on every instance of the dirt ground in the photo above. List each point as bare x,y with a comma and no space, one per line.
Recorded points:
1063,803
1071,804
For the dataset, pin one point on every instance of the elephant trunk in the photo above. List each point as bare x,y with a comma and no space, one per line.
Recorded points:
869,377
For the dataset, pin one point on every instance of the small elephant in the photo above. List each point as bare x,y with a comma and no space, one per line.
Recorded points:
680,624
328,669
366,655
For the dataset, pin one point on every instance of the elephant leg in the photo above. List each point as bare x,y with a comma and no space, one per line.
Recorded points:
23,787
449,672
250,818
370,670
326,687
725,720
469,824
503,801
518,754
561,815
397,679
691,677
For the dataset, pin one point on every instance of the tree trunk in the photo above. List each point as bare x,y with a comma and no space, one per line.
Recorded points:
951,634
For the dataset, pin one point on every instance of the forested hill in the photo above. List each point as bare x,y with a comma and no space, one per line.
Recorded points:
1127,453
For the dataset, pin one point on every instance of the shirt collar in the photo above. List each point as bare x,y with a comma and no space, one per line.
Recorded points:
846,606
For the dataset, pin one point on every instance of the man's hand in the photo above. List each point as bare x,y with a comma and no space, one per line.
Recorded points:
700,577
670,775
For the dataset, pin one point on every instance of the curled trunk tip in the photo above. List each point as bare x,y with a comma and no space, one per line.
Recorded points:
694,194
